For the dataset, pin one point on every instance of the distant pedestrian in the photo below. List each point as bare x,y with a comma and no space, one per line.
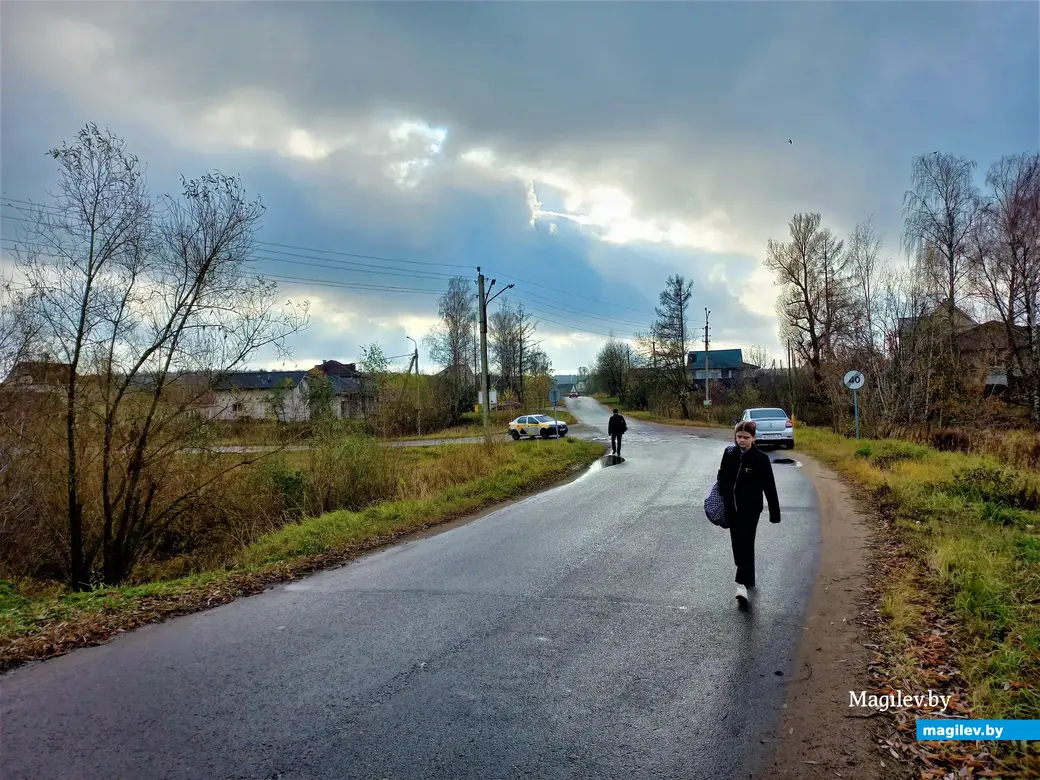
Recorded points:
616,428
745,475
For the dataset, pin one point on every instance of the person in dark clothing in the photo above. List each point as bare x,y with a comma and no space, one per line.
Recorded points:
745,475
616,428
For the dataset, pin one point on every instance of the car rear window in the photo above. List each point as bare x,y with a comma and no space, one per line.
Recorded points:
768,414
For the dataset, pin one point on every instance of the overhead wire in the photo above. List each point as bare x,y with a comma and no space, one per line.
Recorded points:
588,319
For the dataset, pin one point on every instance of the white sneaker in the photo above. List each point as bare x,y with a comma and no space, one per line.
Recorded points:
742,596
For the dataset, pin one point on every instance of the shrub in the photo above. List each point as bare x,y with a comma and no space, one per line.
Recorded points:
992,484
951,440
892,452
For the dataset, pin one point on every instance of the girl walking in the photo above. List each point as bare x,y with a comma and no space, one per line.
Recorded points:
745,475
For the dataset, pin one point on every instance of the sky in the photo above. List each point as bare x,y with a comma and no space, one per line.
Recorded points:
581,151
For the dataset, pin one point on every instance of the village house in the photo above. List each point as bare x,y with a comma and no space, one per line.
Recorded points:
235,395
984,347
258,395
38,376
726,366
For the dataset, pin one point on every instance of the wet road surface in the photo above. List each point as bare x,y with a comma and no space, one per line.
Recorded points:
586,632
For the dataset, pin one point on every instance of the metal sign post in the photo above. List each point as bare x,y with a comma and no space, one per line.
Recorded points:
554,397
854,381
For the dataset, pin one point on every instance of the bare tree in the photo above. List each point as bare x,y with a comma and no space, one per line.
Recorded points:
940,213
865,268
148,303
670,341
808,281
450,342
1005,254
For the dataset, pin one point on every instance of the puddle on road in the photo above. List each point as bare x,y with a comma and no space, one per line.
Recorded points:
611,460
787,462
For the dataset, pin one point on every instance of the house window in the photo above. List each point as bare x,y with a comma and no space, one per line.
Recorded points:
238,407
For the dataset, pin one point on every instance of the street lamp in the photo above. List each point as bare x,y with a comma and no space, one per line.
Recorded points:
418,417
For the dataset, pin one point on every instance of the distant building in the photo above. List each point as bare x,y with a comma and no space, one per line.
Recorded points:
724,365
984,348
567,383
39,375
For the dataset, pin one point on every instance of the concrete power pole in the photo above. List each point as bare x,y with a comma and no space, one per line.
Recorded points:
484,301
418,407
707,341
485,405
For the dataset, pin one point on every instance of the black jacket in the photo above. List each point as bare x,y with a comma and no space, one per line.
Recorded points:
743,479
617,425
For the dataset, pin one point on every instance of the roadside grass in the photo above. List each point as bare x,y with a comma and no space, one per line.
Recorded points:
436,485
970,526
474,426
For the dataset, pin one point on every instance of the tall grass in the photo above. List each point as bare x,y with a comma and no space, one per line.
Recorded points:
431,485
972,523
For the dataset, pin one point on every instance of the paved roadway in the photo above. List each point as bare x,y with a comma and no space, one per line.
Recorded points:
586,632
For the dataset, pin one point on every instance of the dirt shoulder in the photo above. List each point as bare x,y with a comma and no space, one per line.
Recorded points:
819,736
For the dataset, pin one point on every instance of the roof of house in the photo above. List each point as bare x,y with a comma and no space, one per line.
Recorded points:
258,380
39,372
335,368
717,358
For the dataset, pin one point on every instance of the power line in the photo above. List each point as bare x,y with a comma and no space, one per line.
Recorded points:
340,265
585,312
6,201
308,260
575,295
318,282
546,315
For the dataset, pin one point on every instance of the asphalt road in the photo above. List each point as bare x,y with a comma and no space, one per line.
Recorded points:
586,632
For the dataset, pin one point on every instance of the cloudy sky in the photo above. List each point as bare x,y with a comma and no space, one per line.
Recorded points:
582,151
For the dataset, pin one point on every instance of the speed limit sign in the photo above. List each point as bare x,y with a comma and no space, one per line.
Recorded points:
854,380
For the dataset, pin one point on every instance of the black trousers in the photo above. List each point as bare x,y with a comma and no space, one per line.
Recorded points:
742,537
615,443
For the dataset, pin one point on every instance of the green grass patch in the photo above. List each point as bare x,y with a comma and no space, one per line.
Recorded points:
442,483
973,522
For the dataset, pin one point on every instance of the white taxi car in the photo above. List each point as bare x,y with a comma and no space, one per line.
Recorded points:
535,425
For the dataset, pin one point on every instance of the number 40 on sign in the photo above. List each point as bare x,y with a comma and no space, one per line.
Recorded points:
854,380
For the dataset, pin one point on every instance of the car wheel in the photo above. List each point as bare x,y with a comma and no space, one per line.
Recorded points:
789,445
545,433
515,435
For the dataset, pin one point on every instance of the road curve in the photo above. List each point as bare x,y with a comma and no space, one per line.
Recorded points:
586,632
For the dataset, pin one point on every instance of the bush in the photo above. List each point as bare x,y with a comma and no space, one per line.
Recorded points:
349,473
994,485
891,452
951,440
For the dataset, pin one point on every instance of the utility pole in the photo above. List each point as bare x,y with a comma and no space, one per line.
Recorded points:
418,412
707,390
486,380
790,374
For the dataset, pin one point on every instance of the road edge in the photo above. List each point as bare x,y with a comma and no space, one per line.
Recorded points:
819,735
236,585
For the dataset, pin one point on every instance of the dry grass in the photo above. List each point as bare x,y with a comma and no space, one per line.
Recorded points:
433,485
973,523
